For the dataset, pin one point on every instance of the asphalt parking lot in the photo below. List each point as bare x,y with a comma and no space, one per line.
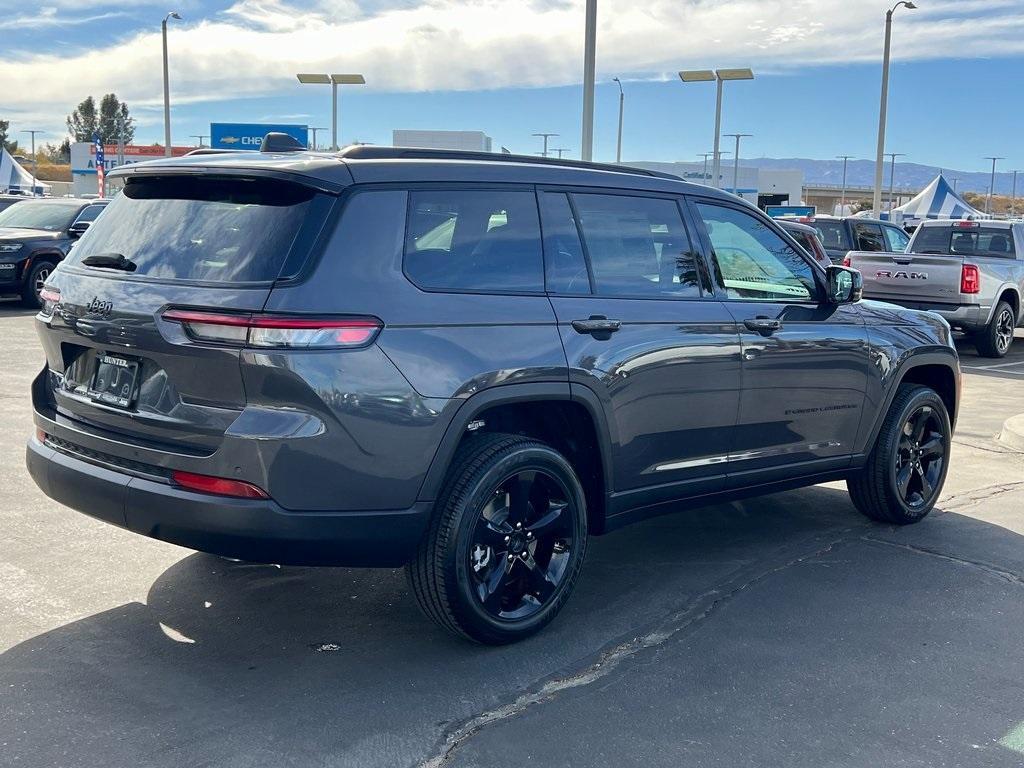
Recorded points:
785,630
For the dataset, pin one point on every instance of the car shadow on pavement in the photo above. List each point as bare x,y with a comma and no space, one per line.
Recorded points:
234,664
1009,367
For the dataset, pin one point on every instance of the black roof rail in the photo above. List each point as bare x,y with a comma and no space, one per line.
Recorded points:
373,152
211,151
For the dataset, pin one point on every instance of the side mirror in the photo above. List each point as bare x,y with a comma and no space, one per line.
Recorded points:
77,229
845,285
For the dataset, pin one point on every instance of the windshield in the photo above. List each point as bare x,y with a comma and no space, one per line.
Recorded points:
52,217
211,230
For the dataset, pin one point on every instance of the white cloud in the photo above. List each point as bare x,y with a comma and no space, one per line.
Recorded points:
49,17
255,47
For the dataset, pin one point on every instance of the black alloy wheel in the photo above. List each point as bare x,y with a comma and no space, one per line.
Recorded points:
920,457
1004,330
522,544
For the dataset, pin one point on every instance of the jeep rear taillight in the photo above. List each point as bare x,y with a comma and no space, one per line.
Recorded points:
970,279
276,331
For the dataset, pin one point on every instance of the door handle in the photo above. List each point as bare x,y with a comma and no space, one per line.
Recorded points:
598,326
765,326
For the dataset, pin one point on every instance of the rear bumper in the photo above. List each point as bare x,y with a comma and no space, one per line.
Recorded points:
252,530
966,316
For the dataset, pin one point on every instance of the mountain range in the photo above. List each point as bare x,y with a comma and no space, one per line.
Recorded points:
909,176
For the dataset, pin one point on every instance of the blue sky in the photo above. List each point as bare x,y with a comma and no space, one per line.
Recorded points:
512,69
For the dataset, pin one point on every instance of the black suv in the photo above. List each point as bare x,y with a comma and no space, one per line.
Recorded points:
465,364
35,235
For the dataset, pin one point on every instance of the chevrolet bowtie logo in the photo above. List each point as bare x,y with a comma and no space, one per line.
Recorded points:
231,140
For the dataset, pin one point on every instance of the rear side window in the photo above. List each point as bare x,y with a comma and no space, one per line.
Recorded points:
638,246
90,212
993,242
832,234
209,230
474,240
868,237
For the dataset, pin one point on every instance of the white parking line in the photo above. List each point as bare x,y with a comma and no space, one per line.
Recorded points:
997,365
1001,373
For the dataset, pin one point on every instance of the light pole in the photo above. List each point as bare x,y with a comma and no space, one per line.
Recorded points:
544,136
876,203
199,136
35,162
1013,197
721,75
334,81
892,175
955,180
992,184
313,131
842,199
736,160
589,59
618,143
706,155
167,85
560,150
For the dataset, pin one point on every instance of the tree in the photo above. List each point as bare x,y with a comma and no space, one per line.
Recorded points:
10,146
110,121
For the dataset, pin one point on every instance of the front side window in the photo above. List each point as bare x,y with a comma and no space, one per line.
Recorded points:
753,261
868,237
638,246
896,239
474,240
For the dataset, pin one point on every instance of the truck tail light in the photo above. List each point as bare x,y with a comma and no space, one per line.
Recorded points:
219,486
970,279
847,262
276,331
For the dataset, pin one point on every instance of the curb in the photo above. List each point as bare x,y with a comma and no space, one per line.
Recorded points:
1012,434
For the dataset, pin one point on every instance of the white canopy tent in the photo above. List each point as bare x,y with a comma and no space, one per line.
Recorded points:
14,178
937,201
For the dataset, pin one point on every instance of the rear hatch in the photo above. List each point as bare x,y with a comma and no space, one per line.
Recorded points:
120,370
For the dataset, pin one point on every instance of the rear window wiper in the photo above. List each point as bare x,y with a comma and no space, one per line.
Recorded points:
110,261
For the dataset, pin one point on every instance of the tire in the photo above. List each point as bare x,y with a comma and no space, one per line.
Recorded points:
466,576
37,275
907,467
995,339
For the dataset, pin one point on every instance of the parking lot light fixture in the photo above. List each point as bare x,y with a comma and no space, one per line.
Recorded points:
618,143
334,81
167,85
1013,196
992,184
545,137
842,198
736,160
892,176
876,203
313,131
35,161
720,75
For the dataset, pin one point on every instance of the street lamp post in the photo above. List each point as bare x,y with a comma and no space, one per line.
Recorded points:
200,137
992,185
334,81
313,131
883,105
736,160
35,162
1013,197
167,85
618,143
892,175
721,75
589,64
545,137
842,199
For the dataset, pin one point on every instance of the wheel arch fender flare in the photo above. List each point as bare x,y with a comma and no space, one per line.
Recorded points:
998,296
508,394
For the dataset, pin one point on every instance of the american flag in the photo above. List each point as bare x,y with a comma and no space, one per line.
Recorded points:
100,170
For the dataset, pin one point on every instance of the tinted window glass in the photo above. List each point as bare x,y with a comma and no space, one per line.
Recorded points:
896,239
565,267
52,217
214,230
475,240
754,263
832,234
995,242
90,213
868,237
638,246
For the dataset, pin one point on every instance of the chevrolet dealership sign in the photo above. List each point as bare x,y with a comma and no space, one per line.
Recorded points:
250,135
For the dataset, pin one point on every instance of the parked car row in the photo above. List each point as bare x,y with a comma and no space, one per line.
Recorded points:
35,235
463,363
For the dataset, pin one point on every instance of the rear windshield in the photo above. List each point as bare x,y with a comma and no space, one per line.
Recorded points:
832,234
211,230
52,217
996,242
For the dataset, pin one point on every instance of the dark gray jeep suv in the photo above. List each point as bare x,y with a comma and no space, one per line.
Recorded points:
465,364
